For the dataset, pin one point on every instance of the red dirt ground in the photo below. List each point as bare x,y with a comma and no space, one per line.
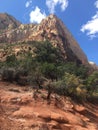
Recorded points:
20,110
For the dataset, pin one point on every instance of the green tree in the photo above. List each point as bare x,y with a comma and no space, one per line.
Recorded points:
92,83
49,58
72,68
72,82
46,52
49,70
11,61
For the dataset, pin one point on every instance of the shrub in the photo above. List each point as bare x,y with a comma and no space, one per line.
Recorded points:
11,61
21,77
8,74
92,83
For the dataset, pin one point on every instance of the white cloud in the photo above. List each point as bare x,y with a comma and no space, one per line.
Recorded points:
96,4
51,4
91,62
28,3
36,15
91,27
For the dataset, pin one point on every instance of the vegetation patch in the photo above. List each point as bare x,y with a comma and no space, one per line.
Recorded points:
41,65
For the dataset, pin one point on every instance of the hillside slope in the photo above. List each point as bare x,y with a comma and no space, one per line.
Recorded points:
20,110
51,28
8,22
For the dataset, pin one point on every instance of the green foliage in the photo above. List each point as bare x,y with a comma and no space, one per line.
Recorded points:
72,82
46,64
26,62
45,52
72,68
8,74
92,83
70,85
11,61
36,76
49,58
1,64
82,71
60,87
49,70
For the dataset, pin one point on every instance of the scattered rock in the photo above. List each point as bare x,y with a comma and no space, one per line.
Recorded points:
18,111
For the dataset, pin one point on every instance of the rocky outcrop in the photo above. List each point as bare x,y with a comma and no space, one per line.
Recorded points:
52,29
8,22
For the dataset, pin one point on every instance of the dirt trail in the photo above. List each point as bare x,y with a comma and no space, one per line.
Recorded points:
20,111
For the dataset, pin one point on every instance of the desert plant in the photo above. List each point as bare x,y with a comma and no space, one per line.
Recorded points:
8,74
92,83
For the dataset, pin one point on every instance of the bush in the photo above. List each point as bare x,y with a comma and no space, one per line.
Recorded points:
21,77
92,83
11,61
59,87
8,74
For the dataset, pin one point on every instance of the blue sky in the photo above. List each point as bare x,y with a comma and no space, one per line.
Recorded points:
80,17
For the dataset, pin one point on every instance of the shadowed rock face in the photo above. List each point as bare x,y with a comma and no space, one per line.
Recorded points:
59,35
7,21
51,28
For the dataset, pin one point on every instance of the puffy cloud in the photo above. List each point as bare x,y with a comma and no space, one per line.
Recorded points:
51,4
91,27
36,15
28,3
96,4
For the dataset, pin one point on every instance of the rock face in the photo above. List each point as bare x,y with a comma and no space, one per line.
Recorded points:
8,22
52,29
